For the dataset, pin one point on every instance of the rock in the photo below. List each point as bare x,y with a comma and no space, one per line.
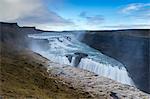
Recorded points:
113,95
78,58
81,54
69,58
97,85
130,47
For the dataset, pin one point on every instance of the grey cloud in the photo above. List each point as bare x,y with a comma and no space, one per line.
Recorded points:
134,7
95,19
131,7
137,10
29,12
129,26
44,17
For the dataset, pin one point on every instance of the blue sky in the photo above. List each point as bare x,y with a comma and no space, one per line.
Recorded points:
78,14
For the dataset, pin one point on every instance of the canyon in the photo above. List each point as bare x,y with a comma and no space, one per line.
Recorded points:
53,80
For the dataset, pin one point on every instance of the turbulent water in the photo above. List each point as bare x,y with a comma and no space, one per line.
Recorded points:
65,48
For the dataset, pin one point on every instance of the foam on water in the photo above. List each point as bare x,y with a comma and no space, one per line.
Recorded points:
62,44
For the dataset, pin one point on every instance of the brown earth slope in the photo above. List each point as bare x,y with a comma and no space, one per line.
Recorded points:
23,75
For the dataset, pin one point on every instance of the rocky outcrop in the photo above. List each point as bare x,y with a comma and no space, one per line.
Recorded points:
97,87
17,36
30,30
69,57
131,47
78,56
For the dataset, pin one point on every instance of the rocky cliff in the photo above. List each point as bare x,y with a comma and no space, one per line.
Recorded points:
17,36
131,47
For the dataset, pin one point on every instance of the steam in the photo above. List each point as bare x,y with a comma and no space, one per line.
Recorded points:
40,46
80,35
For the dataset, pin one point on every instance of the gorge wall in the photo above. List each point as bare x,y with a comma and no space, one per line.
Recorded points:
11,33
130,47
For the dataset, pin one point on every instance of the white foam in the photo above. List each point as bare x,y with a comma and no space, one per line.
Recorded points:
62,44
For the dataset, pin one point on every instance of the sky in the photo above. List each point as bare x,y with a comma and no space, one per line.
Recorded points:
59,15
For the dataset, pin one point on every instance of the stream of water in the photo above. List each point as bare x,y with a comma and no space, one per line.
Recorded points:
62,49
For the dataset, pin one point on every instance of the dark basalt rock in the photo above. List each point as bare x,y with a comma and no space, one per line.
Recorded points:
113,95
78,58
130,47
69,58
81,54
17,36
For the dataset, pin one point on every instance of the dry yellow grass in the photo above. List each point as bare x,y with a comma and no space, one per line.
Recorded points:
24,77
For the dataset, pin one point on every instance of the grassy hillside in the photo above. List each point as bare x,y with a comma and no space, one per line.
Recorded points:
23,75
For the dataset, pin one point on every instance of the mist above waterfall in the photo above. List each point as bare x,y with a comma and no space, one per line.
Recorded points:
66,48
80,35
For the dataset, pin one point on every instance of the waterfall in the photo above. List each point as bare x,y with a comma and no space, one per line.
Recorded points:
64,48
115,73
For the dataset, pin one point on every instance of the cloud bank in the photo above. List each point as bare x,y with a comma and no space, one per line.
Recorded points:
135,7
29,12
39,13
131,26
137,10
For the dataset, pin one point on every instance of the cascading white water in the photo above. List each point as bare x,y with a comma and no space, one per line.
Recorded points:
107,70
62,44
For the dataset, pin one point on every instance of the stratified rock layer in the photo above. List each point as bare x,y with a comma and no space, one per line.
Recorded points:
130,47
